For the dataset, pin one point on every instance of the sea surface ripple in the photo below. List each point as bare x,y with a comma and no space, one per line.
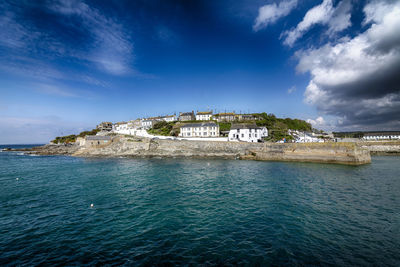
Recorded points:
190,212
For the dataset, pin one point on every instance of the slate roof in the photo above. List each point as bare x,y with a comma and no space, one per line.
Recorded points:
203,124
381,133
186,114
244,126
226,114
204,113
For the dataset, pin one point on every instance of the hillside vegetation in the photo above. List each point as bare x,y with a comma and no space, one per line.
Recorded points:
164,128
278,127
72,138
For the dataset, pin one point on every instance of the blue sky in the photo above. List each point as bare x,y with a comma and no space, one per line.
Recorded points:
65,66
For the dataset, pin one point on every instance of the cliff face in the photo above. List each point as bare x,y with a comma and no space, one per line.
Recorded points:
343,153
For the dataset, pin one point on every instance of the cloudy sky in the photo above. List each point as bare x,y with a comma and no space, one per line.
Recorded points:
67,65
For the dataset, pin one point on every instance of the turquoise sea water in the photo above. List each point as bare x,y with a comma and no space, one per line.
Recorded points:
185,211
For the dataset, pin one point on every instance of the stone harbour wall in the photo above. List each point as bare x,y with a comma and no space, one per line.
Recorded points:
382,147
342,153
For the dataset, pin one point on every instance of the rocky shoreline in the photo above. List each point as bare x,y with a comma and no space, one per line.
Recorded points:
340,153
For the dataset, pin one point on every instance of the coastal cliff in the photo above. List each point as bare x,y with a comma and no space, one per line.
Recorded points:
342,153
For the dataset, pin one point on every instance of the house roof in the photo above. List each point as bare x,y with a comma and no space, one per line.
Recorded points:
225,114
186,114
97,137
204,113
244,126
247,115
381,133
203,124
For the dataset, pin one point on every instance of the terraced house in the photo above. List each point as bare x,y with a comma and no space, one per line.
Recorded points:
225,117
186,116
205,129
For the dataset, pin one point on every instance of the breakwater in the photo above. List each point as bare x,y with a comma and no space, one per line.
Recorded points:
342,153
382,147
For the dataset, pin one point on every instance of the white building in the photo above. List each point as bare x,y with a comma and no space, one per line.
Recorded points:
120,126
204,116
384,135
247,133
304,137
170,118
205,129
147,123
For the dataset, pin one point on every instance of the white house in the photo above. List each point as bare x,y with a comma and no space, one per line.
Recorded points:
147,123
247,133
304,137
120,126
169,118
205,129
203,116
383,135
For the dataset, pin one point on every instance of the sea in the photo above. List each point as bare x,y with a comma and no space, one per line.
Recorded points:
60,210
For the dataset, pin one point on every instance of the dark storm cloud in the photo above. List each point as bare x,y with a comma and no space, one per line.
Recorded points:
358,79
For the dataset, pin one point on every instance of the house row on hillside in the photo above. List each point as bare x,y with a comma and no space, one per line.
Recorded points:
219,117
147,123
203,129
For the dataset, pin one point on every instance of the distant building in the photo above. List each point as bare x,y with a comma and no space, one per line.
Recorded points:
381,135
186,116
304,137
246,117
147,123
105,126
203,116
169,118
96,140
225,117
205,129
247,133
120,126
126,127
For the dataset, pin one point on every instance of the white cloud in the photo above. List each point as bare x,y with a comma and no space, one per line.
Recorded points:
337,20
292,90
340,19
318,122
357,79
269,14
112,49
108,45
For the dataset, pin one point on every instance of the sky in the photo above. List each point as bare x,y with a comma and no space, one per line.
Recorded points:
66,66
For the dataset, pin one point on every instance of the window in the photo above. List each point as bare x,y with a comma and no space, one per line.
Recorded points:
255,135
249,135
188,134
242,135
